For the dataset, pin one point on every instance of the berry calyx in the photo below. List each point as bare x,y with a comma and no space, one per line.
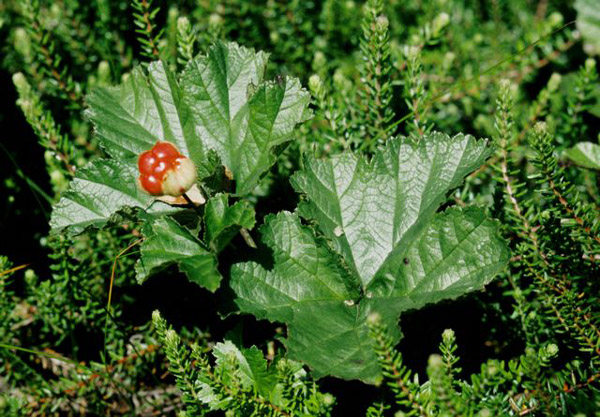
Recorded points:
164,171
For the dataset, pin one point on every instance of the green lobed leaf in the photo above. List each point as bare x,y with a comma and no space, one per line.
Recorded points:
384,249
585,154
100,190
368,209
168,243
264,379
223,222
246,365
221,106
239,116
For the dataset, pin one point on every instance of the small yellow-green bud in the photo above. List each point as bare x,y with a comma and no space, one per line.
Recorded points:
20,81
339,79
215,19
22,42
439,23
492,368
171,337
411,52
162,44
183,23
448,336
103,71
554,81
321,43
314,83
328,399
590,64
552,349
319,61
156,316
508,88
485,413
382,23
173,13
589,48
55,12
504,84
435,361
57,178
530,352
540,128
555,19
449,58
518,293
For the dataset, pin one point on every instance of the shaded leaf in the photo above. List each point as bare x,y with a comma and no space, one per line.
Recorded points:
168,243
264,379
246,365
384,250
223,221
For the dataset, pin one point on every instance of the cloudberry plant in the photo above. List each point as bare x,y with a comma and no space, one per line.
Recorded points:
354,226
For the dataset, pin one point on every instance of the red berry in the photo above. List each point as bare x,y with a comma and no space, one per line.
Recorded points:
161,162
146,161
165,151
151,184
160,168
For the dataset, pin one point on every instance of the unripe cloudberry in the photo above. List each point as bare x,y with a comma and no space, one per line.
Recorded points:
164,171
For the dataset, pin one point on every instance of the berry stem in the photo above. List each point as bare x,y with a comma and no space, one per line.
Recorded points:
189,201
247,238
192,205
